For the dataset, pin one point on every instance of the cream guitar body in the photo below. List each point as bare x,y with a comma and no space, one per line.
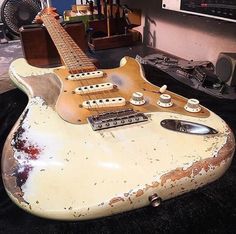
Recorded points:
57,168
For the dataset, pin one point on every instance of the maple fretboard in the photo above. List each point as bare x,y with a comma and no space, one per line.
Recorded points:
72,56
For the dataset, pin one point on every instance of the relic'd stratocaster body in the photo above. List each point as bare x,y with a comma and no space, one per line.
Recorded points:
92,143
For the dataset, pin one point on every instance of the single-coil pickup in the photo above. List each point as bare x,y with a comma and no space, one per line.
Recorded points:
106,102
94,88
85,75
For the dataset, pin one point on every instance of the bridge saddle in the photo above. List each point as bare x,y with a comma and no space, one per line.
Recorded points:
116,118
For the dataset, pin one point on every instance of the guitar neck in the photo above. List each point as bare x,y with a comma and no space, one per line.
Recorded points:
72,56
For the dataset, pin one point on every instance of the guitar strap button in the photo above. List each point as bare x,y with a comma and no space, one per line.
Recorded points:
155,200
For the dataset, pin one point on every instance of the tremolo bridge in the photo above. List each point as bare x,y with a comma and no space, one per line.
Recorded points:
115,119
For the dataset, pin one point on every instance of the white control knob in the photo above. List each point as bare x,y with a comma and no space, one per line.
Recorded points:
165,100
192,105
137,99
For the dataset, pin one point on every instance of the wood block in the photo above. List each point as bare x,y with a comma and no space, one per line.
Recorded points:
114,41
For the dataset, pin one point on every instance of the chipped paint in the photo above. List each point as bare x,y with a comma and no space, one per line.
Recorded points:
206,165
25,152
139,193
157,178
115,200
75,173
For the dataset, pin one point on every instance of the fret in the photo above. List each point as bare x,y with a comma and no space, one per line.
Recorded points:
73,57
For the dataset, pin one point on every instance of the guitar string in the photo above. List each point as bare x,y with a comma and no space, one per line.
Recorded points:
102,93
79,53
67,39
56,34
83,57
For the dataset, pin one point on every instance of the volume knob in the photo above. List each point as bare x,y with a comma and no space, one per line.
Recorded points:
137,99
165,100
192,105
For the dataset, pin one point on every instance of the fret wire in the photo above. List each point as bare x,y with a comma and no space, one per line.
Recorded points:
67,48
72,48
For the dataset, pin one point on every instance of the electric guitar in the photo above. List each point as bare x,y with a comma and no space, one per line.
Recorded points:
92,143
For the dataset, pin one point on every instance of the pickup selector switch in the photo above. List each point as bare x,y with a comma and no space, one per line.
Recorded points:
163,89
137,99
165,100
192,105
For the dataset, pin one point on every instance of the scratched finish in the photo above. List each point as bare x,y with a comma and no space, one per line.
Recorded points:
59,170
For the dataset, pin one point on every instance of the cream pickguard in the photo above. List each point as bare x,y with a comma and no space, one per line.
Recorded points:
61,170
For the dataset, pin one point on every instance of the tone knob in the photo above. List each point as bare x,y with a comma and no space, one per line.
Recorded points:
165,100
192,105
137,99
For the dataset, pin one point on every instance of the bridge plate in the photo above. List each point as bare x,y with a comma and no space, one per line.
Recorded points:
115,119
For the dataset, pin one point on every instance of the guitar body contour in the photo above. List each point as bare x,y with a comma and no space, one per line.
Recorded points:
58,169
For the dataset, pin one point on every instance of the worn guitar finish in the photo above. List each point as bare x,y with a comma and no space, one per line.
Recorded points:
55,165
